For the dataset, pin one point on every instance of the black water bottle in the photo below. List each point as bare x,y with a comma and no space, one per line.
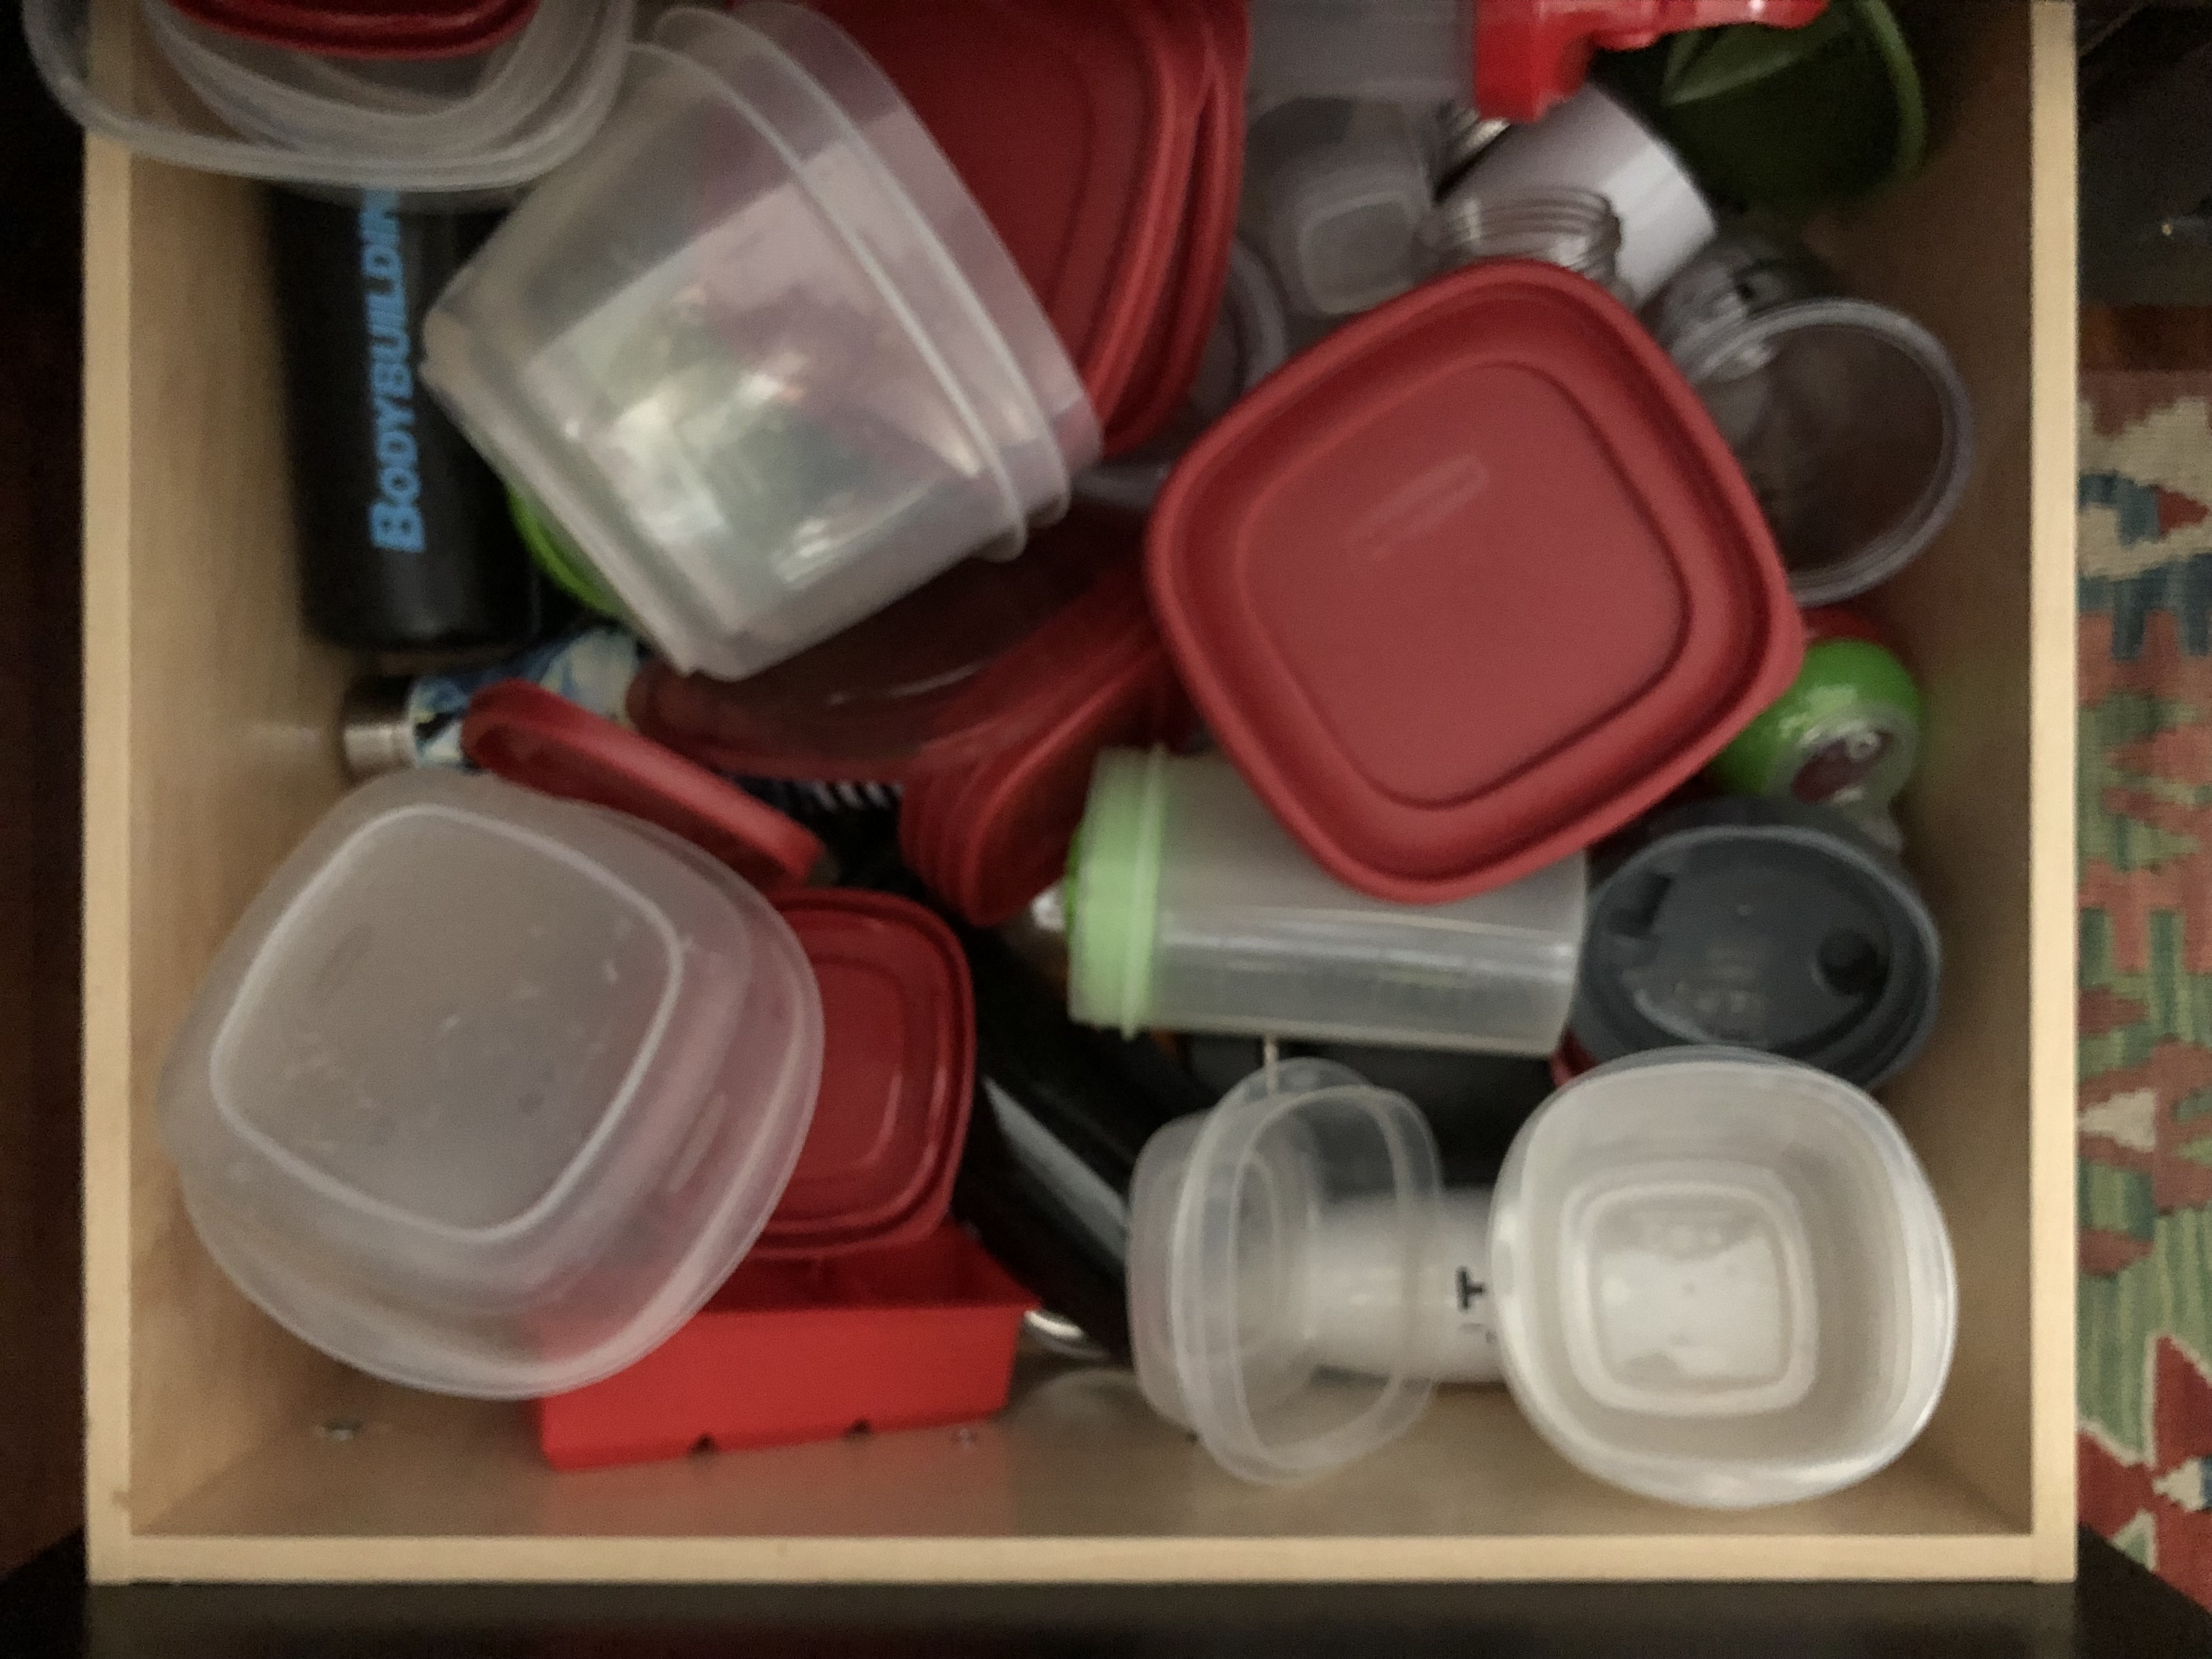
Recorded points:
406,543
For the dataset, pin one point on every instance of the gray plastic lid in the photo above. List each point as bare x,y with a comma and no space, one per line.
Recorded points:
1766,925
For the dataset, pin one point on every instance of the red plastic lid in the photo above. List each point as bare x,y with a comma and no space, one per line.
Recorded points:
1841,622
1470,584
1074,125
1176,347
990,840
366,29
1530,54
897,1074
527,734
938,680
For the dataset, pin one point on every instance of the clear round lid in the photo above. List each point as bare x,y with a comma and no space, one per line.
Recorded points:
1720,1278
1305,1200
488,1092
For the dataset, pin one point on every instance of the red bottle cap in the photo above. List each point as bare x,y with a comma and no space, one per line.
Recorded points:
1531,54
521,731
1470,585
897,1075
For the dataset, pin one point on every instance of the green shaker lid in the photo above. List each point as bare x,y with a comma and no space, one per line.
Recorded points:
1111,894
1787,119
564,564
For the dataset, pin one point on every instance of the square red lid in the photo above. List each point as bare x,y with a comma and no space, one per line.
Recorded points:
1471,584
367,28
898,1072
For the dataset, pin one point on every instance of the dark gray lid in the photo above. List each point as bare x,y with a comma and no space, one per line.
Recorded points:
1761,924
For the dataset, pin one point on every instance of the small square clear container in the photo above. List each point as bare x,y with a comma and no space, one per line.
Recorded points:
459,132
1335,194
487,1093
1191,909
678,348
1720,1278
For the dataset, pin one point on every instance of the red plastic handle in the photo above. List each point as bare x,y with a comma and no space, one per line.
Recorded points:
1530,54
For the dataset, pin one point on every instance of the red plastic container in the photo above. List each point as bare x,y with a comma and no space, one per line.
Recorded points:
1470,585
367,28
936,681
1075,125
521,731
1176,347
990,836
788,1352
898,1074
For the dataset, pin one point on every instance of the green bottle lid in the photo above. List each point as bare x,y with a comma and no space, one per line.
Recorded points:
1111,897
1847,734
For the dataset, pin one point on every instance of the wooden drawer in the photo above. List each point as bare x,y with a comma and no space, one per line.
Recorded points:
221,1447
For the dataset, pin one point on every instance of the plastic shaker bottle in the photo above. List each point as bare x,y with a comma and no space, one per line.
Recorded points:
1765,925
1593,143
1190,908
405,541
1851,422
1711,1278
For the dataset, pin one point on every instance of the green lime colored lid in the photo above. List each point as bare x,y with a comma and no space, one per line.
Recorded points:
562,561
1787,119
1849,689
1112,893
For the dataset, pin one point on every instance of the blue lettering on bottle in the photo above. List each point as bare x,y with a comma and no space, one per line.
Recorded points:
395,517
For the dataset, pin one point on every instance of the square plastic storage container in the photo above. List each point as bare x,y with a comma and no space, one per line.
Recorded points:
209,756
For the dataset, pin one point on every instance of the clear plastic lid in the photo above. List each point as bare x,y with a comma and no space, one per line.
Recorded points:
1721,1279
680,350
1233,1283
1336,193
105,65
487,1093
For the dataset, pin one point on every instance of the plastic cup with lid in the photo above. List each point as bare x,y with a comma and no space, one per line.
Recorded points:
1851,423
1335,193
488,1092
450,132
1190,908
686,353
1250,341
1721,1279
1711,1278
1593,143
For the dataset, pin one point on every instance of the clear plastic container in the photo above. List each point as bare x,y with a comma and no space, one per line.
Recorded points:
1287,1347
1336,193
403,106
1250,341
1593,143
1191,909
1853,426
707,377
1721,1279
263,112
488,1092
1575,229
1416,52
955,221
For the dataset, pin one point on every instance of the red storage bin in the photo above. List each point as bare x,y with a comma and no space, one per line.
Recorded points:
786,1353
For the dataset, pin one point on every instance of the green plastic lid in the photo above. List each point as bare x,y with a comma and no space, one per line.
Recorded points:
560,559
1112,893
1847,734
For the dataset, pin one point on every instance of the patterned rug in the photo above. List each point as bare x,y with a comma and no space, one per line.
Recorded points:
2145,801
